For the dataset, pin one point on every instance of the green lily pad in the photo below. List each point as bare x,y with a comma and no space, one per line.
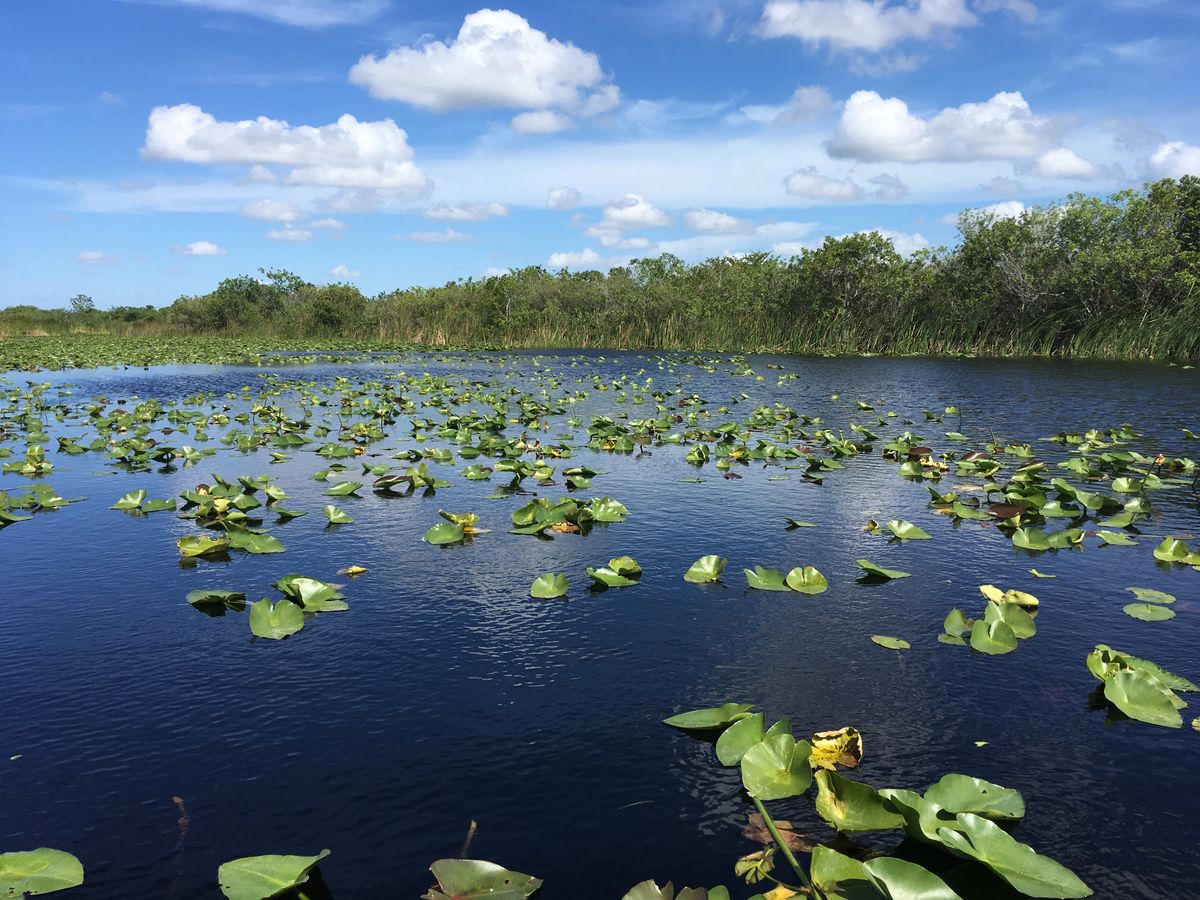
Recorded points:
740,737
1148,612
907,531
879,573
263,877
807,580
851,806
41,871
625,565
343,489
1142,696
606,577
228,599
132,500
1031,539
548,586
1171,550
705,570
253,542
1149,595
444,533
891,643
275,621
201,545
964,794
1019,864
337,516
765,579
712,717
474,879
1116,538
994,638
777,768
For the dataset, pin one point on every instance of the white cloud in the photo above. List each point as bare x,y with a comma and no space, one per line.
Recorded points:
906,243
1174,159
714,222
614,238
261,174
812,185
466,212
108,98
541,121
872,129
868,25
760,237
97,258
497,60
290,233
633,211
588,258
446,236
200,248
303,13
1002,186
1062,162
1008,209
562,198
348,153
1022,9
332,224
272,210
790,248
888,187
344,273
805,105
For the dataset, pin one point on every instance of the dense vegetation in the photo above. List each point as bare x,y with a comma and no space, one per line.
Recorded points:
1113,277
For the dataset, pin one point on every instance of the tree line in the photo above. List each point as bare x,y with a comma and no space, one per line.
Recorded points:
1117,276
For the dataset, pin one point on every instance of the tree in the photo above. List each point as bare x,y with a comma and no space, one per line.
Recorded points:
81,304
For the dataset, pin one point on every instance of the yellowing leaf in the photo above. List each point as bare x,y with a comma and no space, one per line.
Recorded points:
843,747
779,893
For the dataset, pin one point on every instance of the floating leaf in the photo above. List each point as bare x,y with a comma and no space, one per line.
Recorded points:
892,643
740,737
1019,864
764,579
878,573
807,580
1116,538
275,621
253,542
1149,595
474,879
1148,612
994,638
1142,696
962,793
132,500
444,533
263,877
343,489
625,565
338,516
228,599
201,545
1171,550
705,570
907,531
777,768
851,806
713,717
41,871
843,747
797,523
548,586
1030,539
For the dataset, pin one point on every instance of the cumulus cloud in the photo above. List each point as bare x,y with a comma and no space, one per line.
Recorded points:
497,60
290,233
272,210
1008,209
1174,159
888,187
812,185
866,25
200,248
1062,162
541,121
446,236
344,273
1002,186
614,238
633,211
562,198
348,153
466,212
806,104
874,129
97,258
331,224
906,243
302,13
584,258
713,222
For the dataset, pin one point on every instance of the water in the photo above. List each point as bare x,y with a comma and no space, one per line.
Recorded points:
446,694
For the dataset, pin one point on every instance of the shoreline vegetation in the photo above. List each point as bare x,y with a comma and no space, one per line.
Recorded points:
1114,278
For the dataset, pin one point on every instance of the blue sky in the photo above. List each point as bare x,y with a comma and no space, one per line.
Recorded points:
153,147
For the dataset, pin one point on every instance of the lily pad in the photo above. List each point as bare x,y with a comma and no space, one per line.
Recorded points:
705,570
807,580
761,579
1148,612
777,768
548,586
444,533
891,643
275,621
994,638
1149,595
475,879
41,871
336,516
962,793
879,573
1142,696
907,531
1019,864
713,717
740,737
851,806
263,877
201,545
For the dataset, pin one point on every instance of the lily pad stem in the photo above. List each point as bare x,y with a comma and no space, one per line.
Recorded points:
785,849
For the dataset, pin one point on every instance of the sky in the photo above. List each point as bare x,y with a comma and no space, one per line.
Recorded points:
154,147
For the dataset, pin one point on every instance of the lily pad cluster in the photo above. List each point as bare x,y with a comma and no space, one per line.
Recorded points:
1140,689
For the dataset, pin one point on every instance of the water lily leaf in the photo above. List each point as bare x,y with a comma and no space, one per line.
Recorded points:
1104,661
1148,612
962,793
705,570
963,511
548,586
649,890
994,638
713,717
907,531
740,737
1019,864
474,879
922,818
343,488
336,516
798,523
764,579
807,580
1019,598
777,768
1013,616
898,879
1149,595
955,624
1036,574
201,545
843,747
253,542
625,565
263,877
229,599
444,533
132,500
1116,538
1171,550
1030,539
275,621
151,506
879,573
608,578
1142,696
313,595
41,871
851,806
892,643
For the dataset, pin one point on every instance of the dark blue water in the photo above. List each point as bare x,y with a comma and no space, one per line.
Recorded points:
445,694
